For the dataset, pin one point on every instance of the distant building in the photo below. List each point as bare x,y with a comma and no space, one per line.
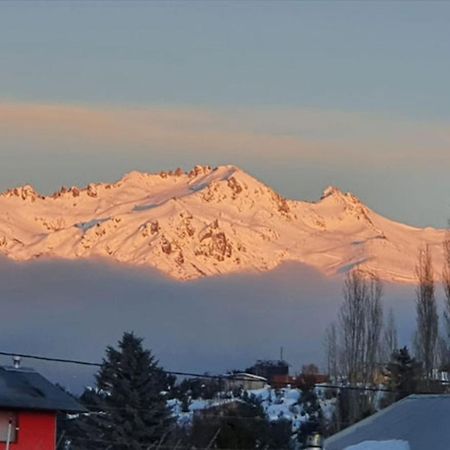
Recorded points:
418,421
28,407
244,380
299,381
269,369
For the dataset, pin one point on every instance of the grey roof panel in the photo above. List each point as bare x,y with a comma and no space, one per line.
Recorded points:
27,389
421,420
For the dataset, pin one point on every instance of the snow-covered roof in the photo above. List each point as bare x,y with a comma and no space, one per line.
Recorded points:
418,420
244,376
380,445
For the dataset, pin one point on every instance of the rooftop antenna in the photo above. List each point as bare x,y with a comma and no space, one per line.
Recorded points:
281,353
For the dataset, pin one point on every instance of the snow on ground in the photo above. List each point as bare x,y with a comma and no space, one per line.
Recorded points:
278,404
207,222
185,418
286,404
380,445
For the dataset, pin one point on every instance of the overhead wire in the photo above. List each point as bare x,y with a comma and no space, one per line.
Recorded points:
207,375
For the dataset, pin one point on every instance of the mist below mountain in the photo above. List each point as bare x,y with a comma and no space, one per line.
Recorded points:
74,309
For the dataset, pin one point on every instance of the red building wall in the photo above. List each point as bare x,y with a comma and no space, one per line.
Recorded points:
37,431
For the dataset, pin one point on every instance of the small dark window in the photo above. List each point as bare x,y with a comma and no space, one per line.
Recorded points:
8,426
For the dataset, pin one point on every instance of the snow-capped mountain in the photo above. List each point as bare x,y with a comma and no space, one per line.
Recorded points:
208,222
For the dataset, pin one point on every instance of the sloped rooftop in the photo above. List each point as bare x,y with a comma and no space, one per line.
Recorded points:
26,389
421,420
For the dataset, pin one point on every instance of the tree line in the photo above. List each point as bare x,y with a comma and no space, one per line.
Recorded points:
361,346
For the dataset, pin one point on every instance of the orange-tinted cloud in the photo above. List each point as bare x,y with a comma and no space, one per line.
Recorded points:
282,134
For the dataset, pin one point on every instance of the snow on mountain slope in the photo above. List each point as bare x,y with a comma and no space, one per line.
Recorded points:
207,222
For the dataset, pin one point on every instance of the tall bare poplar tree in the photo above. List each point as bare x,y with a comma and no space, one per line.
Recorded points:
374,326
360,324
352,325
446,285
427,317
390,339
359,328
331,351
443,344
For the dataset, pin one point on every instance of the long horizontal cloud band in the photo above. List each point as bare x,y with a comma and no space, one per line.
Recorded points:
277,134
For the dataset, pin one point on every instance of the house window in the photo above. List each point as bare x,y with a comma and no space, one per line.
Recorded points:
8,426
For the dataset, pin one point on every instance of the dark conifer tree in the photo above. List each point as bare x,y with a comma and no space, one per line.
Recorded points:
129,411
239,425
403,373
313,411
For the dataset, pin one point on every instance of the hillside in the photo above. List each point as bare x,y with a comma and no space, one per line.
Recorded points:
207,222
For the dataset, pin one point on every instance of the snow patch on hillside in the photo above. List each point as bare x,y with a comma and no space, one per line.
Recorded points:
278,404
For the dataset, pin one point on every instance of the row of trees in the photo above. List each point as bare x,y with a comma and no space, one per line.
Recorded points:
362,345
360,339
432,342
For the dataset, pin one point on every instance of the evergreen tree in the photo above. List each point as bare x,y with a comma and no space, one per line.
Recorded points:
185,403
239,425
129,411
403,373
198,388
313,411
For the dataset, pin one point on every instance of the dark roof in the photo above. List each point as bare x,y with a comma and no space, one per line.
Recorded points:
420,420
26,389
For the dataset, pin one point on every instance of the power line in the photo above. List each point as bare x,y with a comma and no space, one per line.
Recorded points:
96,409
96,364
200,375
51,359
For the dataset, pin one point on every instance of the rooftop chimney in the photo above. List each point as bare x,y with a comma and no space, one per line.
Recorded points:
314,442
16,362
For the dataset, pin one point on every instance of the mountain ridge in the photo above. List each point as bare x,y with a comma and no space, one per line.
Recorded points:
208,222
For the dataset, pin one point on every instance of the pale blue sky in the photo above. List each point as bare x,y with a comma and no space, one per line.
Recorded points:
301,94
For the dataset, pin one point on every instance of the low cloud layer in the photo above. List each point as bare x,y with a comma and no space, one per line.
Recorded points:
76,309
